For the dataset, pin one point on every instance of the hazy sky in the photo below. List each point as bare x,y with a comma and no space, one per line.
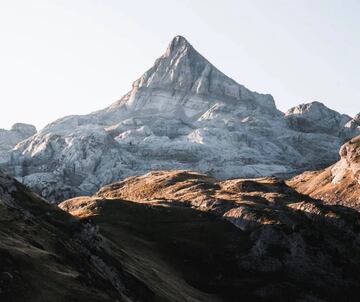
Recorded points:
60,57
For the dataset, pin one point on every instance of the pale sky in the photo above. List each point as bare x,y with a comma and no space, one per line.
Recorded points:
61,57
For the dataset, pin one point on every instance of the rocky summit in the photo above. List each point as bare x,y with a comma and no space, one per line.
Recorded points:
183,113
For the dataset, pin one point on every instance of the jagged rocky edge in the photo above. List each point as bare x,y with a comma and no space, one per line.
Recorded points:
172,119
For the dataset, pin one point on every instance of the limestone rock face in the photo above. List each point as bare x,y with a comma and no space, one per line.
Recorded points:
354,123
9,138
183,113
316,117
337,184
25,129
184,80
17,133
349,162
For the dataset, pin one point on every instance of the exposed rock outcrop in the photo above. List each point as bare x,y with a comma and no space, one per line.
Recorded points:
315,117
184,236
337,184
287,246
183,113
9,138
47,255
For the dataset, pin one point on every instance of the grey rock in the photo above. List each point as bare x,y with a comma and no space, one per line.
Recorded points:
17,133
316,117
10,138
183,113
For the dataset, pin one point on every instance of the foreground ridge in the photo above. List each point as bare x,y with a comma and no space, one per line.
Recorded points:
271,252
181,236
337,184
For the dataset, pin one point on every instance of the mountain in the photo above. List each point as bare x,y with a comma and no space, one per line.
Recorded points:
10,138
267,243
239,239
316,117
48,255
337,184
183,113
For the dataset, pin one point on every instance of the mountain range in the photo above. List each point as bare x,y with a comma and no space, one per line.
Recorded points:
183,113
178,236
191,188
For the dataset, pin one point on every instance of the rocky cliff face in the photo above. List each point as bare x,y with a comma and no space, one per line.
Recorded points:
337,184
317,118
10,138
184,80
183,113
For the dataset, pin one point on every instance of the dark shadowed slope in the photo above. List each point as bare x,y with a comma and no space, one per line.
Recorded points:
285,247
183,236
48,255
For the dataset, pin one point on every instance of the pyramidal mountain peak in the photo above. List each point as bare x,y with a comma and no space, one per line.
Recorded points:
184,75
178,42
182,113
179,57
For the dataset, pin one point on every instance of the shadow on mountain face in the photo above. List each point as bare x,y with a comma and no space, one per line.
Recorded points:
292,248
166,250
45,256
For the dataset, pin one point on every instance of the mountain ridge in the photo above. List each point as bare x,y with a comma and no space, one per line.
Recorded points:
337,184
183,70
267,242
288,245
183,113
